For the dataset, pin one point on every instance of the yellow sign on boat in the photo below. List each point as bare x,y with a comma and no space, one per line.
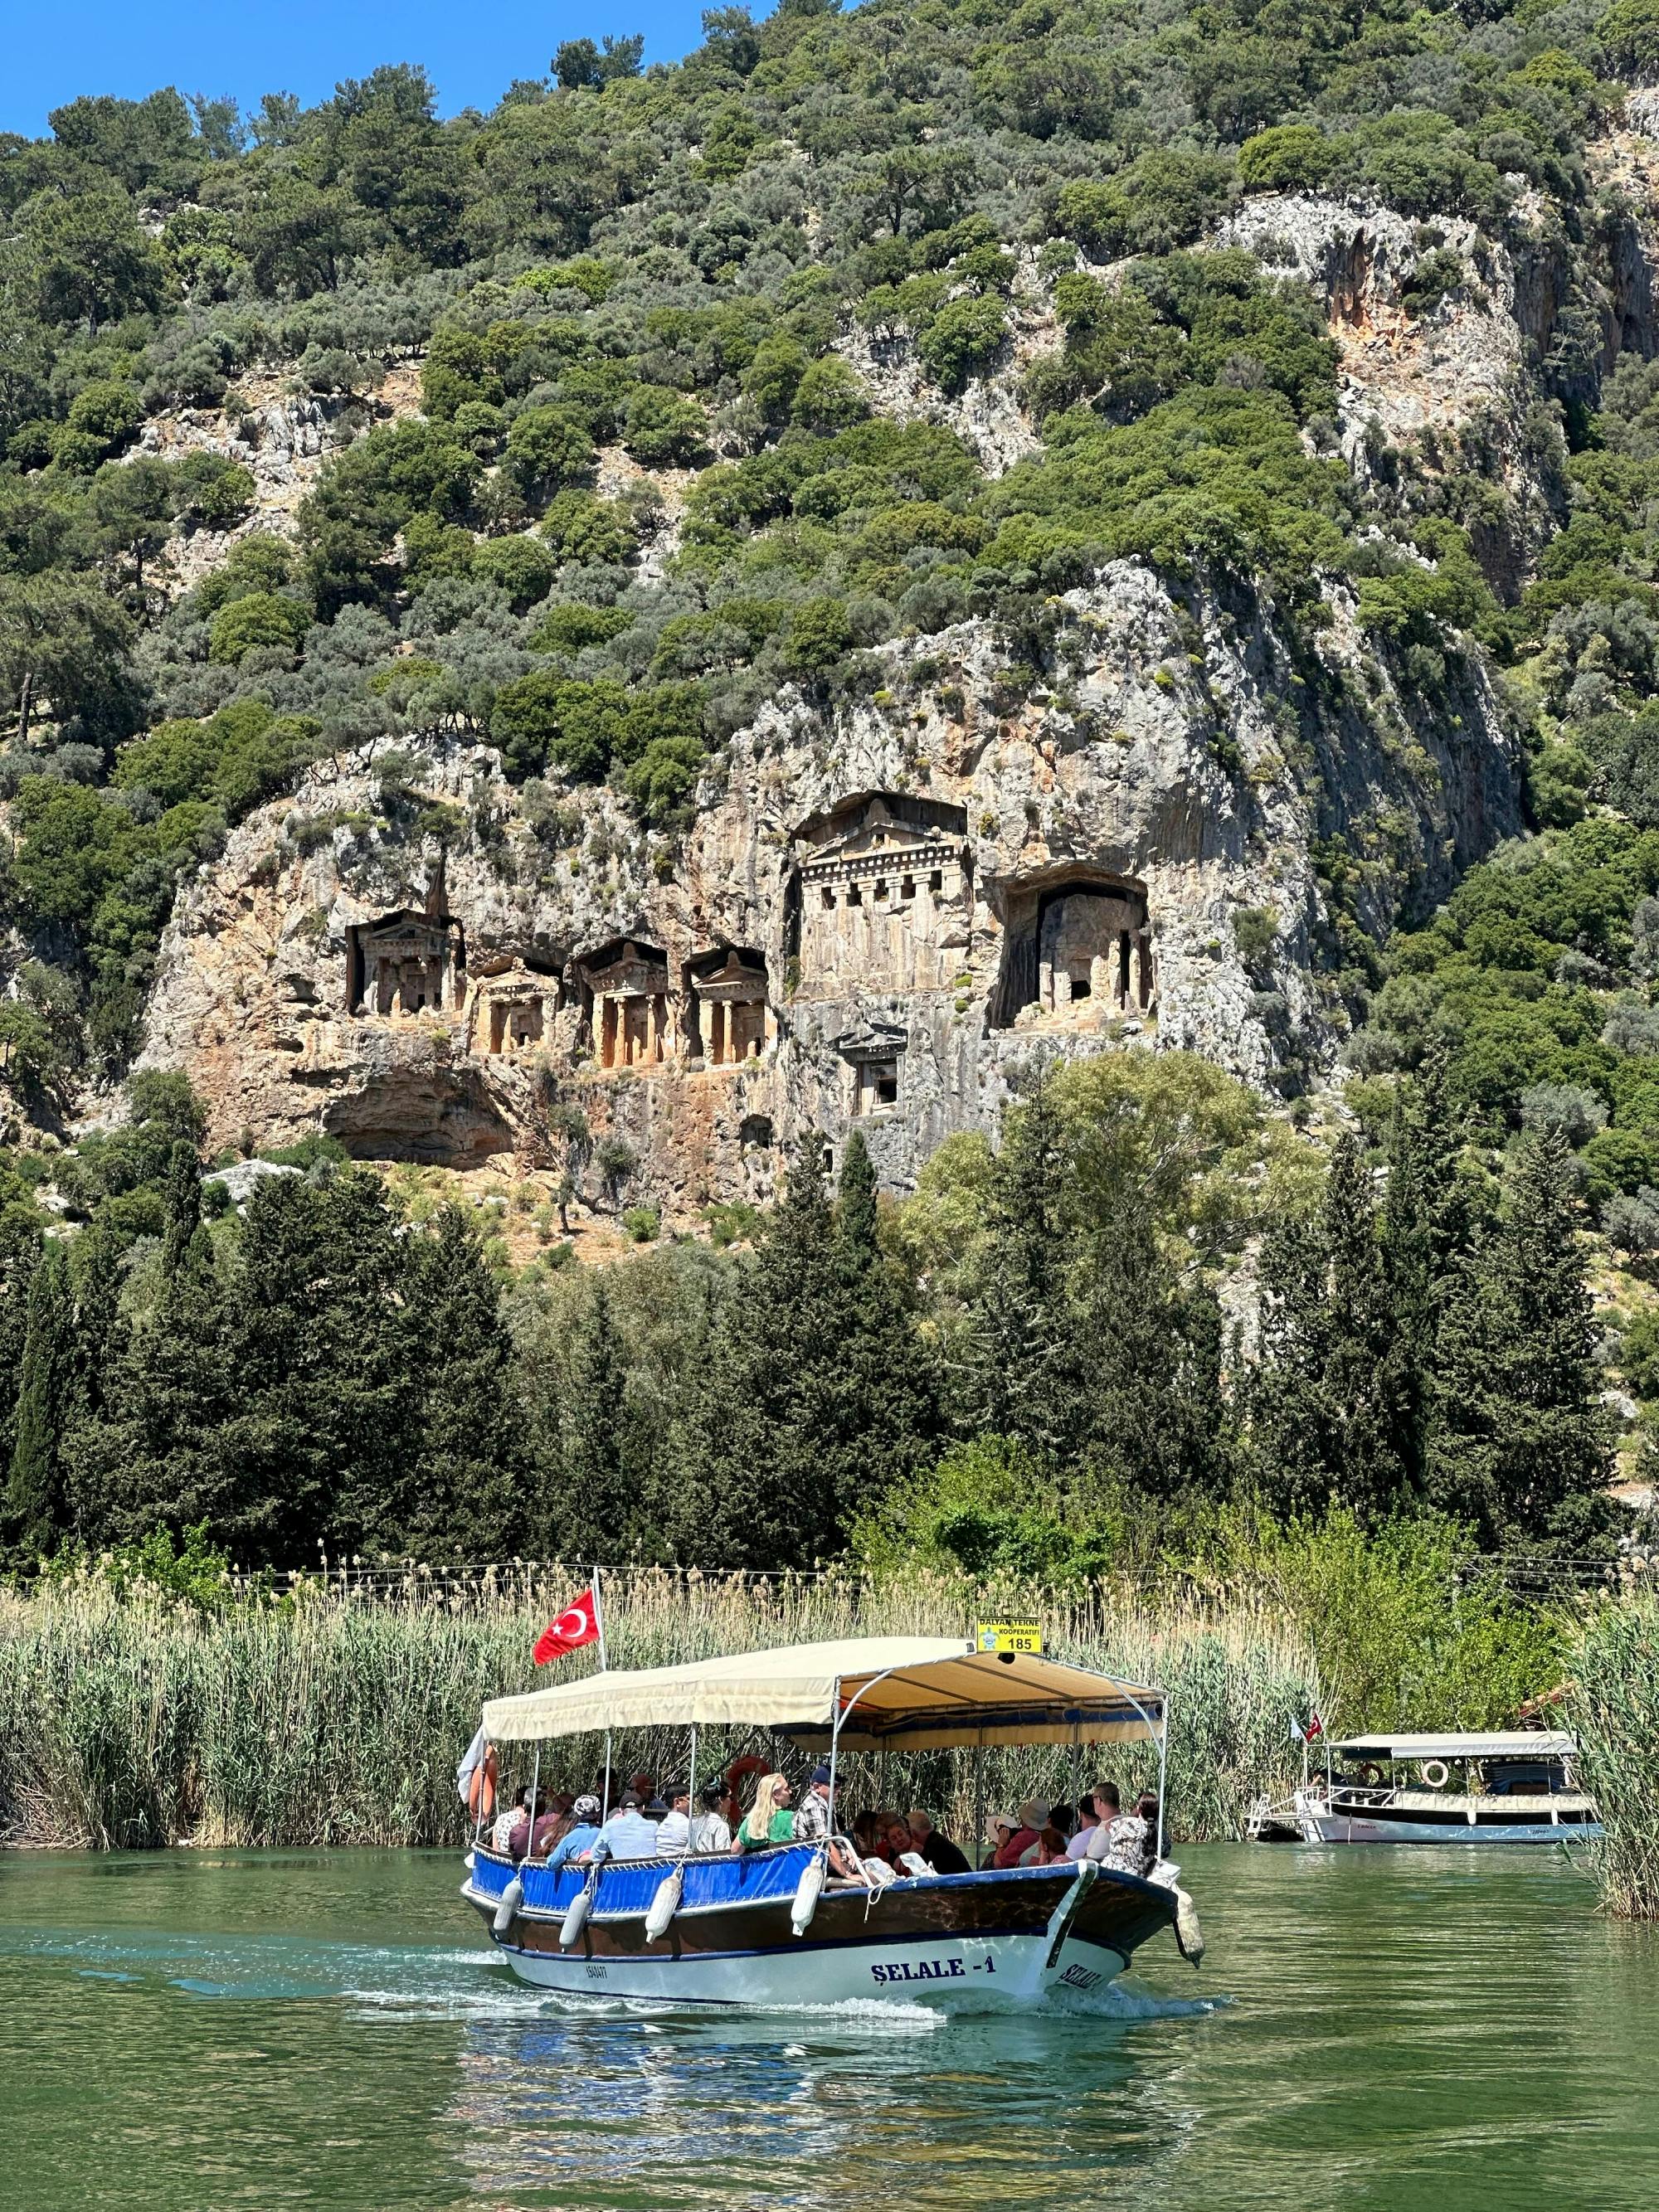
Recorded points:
1008,1636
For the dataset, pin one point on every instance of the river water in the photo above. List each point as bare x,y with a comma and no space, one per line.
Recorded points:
193,2031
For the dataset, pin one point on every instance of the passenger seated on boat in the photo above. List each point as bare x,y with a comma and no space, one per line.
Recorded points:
768,1819
674,1829
551,1826
580,1837
814,1823
898,1845
867,1836
999,1832
1126,1845
644,1787
709,1830
1102,1803
512,1829
1051,1847
627,1834
934,1846
1021,1848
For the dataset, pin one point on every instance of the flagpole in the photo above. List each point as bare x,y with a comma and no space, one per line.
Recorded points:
598,1623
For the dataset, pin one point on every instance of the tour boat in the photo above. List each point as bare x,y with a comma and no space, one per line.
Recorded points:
778,1926
1505,1786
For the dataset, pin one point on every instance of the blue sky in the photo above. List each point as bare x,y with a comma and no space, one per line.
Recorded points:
472,52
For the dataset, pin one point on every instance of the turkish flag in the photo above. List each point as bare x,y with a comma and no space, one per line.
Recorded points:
1315,1726
577,1625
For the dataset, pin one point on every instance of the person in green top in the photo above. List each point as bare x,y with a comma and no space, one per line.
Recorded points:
769,1820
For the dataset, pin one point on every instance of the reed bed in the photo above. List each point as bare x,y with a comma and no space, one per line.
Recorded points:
335,1713
1614,1710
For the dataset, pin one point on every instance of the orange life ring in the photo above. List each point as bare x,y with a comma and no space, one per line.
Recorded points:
481,1788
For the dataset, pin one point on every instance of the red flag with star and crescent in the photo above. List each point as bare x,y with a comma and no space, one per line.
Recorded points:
577,1625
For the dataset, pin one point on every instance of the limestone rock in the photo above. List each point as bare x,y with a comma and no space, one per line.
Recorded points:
887,915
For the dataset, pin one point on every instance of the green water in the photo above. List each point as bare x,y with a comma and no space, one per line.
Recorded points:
1372,2028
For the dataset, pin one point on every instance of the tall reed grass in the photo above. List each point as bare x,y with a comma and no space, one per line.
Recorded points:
1614,1710
336,1714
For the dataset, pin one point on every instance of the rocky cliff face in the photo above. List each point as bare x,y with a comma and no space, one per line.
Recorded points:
885,915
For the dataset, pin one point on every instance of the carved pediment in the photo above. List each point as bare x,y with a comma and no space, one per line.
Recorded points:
626,968
879,830
731,975
871,1039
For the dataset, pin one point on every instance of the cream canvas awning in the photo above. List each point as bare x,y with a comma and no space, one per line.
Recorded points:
1492,1743
924,1693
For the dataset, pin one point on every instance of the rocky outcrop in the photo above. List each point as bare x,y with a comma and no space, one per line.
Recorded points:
890,915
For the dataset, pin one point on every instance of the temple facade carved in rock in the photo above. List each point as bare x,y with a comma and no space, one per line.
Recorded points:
882,898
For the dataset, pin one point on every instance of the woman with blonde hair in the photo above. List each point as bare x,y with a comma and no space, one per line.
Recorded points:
769,1820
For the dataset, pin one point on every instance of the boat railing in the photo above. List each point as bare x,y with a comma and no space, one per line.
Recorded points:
1361,1793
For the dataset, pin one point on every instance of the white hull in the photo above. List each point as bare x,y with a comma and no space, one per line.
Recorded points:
971,1974
1324,1822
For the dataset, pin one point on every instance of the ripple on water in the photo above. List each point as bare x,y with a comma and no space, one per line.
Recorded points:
1371,2032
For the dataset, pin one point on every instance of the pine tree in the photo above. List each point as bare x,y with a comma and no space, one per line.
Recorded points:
34,1494
1522,1444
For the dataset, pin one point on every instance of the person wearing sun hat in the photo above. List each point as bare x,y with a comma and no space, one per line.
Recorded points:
999,1832
1021,1848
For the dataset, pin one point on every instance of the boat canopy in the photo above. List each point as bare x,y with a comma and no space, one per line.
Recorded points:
922,1693
1495,1743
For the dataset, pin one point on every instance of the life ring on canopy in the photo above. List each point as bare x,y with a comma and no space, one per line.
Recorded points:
740,1770
1436,1773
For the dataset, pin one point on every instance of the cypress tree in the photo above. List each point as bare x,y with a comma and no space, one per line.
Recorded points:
883,1387
34,1494
323,1429
183,1208
20,1255
1024,1369
1425,1227
760,1461
1522,1444
1153,1423
464,1495
594,1508
174,1388
1331,1400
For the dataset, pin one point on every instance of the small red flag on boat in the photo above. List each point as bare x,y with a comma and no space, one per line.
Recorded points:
577,1625
1315,1726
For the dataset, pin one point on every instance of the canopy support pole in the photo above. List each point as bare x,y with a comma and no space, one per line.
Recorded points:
691,1791
979,1796
535,1784
835,1751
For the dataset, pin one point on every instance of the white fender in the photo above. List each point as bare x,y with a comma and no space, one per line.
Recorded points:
575,1918
665,1905
1188,1934
808,1890
512,1898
